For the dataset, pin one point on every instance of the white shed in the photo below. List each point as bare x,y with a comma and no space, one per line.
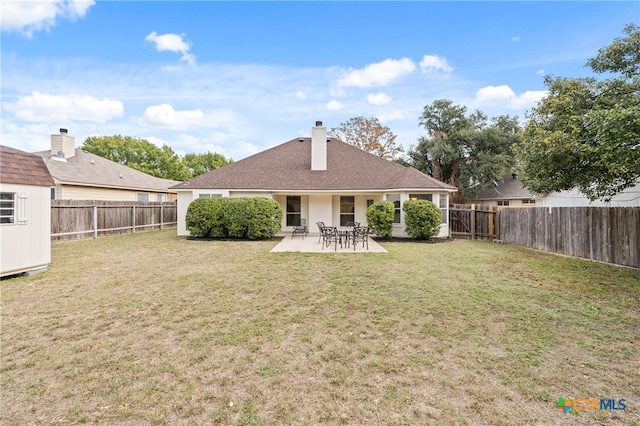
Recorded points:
25,212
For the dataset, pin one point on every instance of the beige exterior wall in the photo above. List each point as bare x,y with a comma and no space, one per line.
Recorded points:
26,244
73,192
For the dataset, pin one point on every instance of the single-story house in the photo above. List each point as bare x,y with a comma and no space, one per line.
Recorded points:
510,192
319,179
25,217
80,175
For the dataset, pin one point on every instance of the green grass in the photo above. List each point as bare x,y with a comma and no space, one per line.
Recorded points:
153,329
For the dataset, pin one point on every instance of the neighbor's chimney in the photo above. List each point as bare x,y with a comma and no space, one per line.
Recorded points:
318,147
63,143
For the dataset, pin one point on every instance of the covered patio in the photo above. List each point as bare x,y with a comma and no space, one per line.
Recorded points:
310,244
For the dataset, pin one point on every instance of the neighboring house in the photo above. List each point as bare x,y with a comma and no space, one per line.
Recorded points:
318,179
25,217
79,175
509,192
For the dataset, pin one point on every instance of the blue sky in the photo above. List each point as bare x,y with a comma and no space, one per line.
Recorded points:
239,77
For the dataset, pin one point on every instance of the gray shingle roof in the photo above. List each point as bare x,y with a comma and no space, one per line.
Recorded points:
89,169
507,188
23,168
288,167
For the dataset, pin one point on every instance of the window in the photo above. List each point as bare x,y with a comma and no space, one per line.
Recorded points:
395,198
162,197
143,197
503,203
209,195
7,207
294,210
347,209
53,193
444,207
369,203
528,201
428,197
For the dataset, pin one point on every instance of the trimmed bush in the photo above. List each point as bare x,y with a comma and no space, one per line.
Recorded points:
251,218
422,219
380,218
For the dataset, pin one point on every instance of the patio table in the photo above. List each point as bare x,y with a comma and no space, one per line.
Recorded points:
345,233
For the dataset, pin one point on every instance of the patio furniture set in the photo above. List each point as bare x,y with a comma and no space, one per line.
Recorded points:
352,234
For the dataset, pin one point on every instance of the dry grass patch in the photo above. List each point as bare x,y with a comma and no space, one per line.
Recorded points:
154,329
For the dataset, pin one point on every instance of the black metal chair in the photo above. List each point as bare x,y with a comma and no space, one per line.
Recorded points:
353,224
361,235
320,226
300,229
330,236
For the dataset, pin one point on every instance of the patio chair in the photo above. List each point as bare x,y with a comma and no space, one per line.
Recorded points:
300,229
361,234
353,224
330,236
320,226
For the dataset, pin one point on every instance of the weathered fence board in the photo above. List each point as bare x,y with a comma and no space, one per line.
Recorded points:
606,234
76,219
469,221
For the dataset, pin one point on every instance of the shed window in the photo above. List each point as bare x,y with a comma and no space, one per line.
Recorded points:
7,207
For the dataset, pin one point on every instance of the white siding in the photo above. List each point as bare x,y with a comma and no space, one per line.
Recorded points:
72,192
629,198
26,245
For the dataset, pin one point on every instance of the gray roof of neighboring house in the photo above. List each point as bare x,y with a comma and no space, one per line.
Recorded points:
88,169
508,188
22,168
288,167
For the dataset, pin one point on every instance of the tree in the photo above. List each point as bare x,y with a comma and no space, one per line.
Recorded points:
368,134
586,133
139,154
466,151
142,155
199,164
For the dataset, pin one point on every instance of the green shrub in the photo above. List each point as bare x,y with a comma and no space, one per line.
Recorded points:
380,218
422,219
251,218
204,216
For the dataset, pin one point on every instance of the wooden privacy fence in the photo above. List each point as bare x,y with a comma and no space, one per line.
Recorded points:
471,221
76,219
606,234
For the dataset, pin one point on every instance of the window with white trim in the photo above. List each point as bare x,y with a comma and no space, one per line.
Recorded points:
294,210
142,196
347,209
444,207
7,208
395,198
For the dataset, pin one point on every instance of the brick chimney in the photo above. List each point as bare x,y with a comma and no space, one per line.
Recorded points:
63,143
318,147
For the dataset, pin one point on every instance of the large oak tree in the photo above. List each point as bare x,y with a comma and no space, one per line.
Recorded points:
586,133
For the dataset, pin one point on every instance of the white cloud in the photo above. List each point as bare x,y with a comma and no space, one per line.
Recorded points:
378,74
301,95
387,116
165,116
506,96
378,98
335,105
30,16
64,108
172,43
432,64
540,72
516,39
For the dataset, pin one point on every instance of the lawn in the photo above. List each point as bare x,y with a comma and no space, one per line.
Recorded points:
151,329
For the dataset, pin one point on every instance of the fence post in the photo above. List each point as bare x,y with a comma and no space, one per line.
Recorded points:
490,219
133,219
95,221
161,216
472,219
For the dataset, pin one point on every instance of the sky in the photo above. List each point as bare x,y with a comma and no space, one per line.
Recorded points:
239,77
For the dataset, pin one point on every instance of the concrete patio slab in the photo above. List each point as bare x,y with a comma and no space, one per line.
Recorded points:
310,244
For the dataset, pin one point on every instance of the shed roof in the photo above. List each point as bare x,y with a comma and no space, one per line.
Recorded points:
23,168
288,167
89,169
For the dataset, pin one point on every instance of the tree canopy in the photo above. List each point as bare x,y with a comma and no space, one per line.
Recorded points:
468,151
142,155
368,134
586,133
